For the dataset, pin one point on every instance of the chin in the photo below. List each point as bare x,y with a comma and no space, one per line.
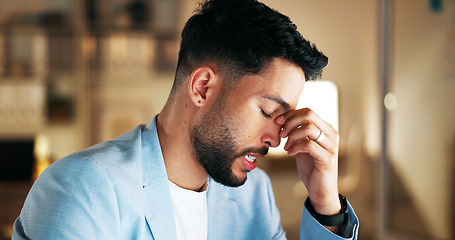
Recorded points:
237,182
240,180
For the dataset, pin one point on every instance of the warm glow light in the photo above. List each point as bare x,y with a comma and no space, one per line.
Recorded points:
118,46
322,98
42,154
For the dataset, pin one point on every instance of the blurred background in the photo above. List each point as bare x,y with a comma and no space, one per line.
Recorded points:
77,72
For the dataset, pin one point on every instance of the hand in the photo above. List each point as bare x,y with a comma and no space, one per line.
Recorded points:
317,162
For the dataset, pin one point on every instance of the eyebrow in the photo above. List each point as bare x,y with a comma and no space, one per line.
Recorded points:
279,100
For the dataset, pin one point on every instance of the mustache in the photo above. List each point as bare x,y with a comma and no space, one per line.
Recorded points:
262,151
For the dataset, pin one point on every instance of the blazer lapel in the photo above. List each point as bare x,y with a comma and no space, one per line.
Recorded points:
222,213
158,210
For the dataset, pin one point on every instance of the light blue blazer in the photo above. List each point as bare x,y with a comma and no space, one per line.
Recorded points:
119,190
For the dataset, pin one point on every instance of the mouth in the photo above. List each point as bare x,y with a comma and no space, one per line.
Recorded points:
250,158
249,161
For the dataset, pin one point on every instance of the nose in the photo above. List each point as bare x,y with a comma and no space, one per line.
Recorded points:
271,135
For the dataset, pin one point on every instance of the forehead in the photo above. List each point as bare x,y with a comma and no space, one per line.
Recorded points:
281,80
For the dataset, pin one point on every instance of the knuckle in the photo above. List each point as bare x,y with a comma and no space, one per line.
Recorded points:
307,112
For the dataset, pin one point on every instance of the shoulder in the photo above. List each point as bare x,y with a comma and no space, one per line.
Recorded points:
96,172
92,172
66,198
105,158
126,145
84,189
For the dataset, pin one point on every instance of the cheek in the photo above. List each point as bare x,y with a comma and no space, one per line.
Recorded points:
249,131
246,122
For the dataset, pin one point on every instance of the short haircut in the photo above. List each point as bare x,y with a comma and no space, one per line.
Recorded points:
242,37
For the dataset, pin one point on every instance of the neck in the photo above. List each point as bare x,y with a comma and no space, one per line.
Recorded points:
174,126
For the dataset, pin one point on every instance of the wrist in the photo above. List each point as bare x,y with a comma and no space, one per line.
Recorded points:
337,219
327,206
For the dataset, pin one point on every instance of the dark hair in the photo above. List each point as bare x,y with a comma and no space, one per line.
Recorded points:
242,37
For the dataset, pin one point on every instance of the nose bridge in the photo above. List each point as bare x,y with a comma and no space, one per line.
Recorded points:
271,135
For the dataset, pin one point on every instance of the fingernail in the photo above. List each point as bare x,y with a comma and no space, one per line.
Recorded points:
283,133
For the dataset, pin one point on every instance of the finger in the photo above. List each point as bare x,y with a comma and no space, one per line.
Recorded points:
326,145
321,159
296,118
306,130
309,131
320,155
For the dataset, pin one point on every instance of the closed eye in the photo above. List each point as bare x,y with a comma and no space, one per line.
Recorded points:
265,114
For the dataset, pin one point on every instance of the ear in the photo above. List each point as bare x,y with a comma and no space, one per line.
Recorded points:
203,85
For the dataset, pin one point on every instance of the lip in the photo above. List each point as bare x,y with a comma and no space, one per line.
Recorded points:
251,165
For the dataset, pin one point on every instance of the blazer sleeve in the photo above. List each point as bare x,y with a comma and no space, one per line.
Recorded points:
64,203
310,228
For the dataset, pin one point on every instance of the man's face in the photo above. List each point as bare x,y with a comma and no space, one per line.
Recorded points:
240,127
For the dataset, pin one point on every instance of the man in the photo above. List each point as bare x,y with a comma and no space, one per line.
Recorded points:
190,173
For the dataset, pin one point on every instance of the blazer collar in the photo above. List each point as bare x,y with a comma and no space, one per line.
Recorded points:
159,212
222,213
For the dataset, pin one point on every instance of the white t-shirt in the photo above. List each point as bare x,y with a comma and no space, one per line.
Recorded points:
190,213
